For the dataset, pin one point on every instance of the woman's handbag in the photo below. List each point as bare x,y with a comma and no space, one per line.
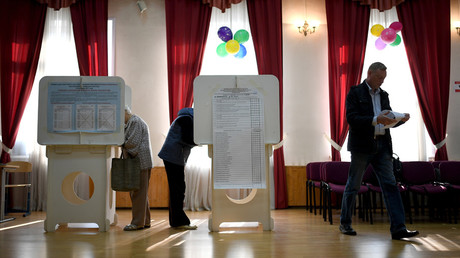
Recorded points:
126,174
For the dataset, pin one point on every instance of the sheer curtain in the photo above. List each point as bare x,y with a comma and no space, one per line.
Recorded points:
409,140
198,168
57,57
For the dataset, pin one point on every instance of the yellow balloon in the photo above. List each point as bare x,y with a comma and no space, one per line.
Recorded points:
232,46
377,29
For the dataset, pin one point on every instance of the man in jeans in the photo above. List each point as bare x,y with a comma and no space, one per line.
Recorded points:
368,111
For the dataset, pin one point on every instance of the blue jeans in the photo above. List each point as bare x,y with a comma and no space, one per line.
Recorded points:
383,167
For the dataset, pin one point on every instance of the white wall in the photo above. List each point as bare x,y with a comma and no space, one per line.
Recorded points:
453,119
141,62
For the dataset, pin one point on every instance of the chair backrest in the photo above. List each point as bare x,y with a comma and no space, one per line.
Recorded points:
335,172
314,171
22,167
450,172
418,172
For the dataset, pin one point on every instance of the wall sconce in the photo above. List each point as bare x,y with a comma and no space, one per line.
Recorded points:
308,28
141,5
457,26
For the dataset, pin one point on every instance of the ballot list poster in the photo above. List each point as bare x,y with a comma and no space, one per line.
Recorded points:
238,139
83,107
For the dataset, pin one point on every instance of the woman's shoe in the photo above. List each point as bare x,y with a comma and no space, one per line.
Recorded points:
187,227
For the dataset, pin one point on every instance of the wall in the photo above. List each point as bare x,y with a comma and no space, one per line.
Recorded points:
141,62
453,119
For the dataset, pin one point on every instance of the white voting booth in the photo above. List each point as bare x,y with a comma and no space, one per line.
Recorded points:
238,118
81,120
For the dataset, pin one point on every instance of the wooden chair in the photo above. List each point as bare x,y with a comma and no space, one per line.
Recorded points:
23,167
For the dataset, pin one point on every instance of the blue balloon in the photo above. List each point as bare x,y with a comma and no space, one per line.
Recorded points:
242,53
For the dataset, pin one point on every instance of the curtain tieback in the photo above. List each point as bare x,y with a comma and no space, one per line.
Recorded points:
333,143
440,144
280,144
6,149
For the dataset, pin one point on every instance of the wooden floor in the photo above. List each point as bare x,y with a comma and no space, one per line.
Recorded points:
297,233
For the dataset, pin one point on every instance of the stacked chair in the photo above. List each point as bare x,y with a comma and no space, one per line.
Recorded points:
419,178
449,172
313,183
334,176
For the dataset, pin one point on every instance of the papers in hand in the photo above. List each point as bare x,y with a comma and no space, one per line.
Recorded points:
394,115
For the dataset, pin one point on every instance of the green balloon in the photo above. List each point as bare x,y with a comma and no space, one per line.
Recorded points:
241,36
397,41
221,51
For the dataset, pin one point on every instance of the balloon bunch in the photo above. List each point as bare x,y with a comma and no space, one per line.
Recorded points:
232,44
388,36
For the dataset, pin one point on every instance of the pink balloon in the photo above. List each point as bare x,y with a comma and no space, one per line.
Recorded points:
379,44
388,35
397,26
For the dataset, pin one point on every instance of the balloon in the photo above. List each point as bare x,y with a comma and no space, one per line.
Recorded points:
232,46
242,52
225,33
379,44
397,41
376,30
388,35
241,36
397,26
221,51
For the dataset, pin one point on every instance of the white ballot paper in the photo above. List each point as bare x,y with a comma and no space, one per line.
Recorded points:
394,115
238,139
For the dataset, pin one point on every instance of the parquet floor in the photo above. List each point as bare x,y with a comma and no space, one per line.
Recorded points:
297,233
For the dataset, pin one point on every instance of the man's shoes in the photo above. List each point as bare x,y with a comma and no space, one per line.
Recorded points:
186,227
347,230
403,233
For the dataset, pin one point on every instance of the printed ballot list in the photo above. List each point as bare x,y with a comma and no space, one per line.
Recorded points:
87,107
238,139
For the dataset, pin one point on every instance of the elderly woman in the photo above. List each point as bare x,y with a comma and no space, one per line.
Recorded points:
137,143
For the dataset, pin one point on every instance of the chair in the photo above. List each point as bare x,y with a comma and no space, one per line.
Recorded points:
313,171
420,179
23,167
450,175
370,179
334,176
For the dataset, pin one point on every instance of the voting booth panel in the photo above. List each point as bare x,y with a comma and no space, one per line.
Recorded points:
81,121
238,117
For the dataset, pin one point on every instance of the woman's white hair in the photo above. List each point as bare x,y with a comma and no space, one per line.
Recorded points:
128,110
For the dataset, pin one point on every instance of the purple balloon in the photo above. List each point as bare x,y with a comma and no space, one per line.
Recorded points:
225,33
379,44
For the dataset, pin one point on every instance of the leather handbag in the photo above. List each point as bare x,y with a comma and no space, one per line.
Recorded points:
125,174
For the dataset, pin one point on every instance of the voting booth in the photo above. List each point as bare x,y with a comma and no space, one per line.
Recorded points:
80,120
238,118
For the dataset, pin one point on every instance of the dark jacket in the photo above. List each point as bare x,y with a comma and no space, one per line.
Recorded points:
360,114
179,140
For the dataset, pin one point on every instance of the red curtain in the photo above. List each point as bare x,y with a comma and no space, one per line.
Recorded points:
57,4
266,27
22,23
347,25
426,34
187,25
221,4
89,19
382,5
